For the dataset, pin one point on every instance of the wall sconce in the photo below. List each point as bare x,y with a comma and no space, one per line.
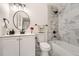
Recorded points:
4,19
17,5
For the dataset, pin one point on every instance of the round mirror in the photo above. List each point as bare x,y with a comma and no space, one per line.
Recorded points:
21,20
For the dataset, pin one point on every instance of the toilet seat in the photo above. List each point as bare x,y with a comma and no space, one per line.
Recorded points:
44,46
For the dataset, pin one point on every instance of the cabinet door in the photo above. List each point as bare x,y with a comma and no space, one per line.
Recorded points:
10,46
0,47
27,46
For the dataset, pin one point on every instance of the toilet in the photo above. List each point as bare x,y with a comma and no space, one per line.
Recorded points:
45,47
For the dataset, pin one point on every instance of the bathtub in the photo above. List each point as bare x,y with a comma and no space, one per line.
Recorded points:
61,48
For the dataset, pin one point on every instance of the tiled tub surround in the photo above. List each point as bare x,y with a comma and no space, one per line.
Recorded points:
53,25
69,24
53,17
66,24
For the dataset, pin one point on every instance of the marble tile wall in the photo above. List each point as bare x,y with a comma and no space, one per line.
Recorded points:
52,22
66,23
69,24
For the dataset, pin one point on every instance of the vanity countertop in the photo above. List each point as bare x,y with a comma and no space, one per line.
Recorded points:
16,35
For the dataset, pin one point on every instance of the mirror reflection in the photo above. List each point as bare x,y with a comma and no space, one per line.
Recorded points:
21,20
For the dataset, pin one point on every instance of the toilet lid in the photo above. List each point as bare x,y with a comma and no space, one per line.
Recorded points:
45,45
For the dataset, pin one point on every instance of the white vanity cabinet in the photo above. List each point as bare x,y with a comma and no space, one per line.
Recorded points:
10,46
27,45
21,45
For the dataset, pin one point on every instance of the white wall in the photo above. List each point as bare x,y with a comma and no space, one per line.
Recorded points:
4,13
37,13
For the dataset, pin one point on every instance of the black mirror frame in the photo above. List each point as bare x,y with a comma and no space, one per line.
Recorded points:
14,16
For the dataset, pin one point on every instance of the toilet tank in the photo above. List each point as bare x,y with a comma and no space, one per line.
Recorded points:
42,37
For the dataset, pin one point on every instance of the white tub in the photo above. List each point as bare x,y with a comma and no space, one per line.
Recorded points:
61,48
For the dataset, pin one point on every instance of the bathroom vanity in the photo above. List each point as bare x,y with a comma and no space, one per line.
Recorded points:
17,45
13,43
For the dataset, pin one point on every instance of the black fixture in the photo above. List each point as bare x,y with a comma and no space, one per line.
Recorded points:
4,19
22,31
35,24
54,36
54,32
56,12
46,25
11,32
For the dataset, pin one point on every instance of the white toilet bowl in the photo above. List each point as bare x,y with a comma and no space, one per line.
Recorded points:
45,47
